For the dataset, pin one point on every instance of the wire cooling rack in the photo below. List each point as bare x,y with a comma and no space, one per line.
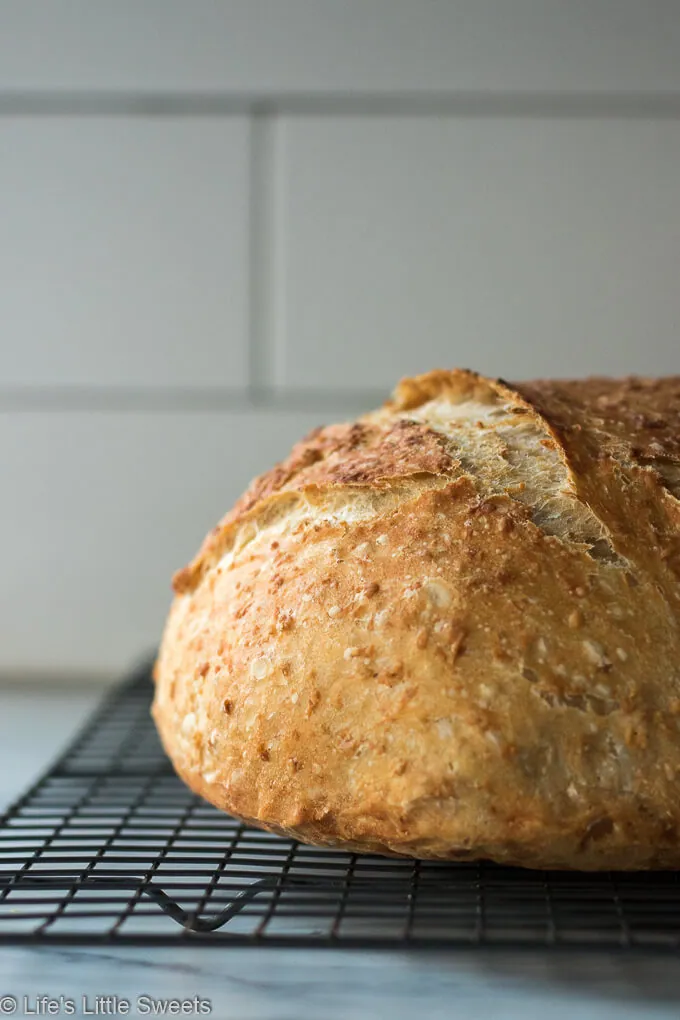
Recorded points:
110,845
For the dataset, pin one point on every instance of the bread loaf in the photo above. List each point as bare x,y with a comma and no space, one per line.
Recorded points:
449,629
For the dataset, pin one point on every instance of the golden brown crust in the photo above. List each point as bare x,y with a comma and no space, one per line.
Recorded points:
450,629
348,454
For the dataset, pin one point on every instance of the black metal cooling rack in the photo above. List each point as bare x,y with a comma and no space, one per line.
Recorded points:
110,845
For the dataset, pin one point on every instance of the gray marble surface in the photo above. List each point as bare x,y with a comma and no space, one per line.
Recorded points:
278,984
35,724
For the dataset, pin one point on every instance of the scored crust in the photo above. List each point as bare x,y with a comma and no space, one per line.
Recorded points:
448,629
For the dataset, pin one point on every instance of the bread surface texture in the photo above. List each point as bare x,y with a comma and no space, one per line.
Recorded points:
449,629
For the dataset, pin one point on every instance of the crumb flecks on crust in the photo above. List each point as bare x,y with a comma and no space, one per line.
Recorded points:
467,604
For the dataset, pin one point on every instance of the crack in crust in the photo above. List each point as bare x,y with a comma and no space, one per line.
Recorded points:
526,440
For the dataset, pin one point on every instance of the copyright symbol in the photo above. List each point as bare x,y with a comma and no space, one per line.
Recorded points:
8,1004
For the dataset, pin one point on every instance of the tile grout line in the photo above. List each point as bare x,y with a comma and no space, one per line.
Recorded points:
278,281
183,400
261,262
263,107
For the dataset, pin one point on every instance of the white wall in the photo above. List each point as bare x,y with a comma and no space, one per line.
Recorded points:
222,223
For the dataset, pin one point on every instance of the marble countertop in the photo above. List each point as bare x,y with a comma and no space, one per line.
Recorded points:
283,984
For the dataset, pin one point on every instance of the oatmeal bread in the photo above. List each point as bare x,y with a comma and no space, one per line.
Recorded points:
449,629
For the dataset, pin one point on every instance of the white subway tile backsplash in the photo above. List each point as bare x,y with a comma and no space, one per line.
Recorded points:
517,247
124,251
274,46
216,214
98,510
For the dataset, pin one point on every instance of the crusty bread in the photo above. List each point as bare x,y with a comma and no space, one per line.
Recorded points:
449,629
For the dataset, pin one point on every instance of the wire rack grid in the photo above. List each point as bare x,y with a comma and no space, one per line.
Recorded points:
110,845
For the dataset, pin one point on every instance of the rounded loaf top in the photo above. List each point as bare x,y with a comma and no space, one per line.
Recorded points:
448,629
